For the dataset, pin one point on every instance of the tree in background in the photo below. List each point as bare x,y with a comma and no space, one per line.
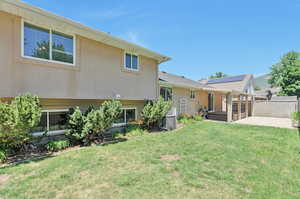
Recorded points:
286,74
218,75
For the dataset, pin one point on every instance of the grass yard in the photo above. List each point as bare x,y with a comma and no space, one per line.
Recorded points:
203,160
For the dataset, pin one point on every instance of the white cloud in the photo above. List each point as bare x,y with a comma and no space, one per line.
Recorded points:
133,37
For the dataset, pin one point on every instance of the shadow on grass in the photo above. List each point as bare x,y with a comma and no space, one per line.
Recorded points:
36,157
20,160
114,141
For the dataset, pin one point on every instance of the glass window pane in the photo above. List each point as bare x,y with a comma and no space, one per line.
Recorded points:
169,94
134,62
130,115
57,121
128,60
162,92
121,118
36,42
62,47
42,126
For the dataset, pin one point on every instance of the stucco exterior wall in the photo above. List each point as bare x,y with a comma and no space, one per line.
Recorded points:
183,102
99,72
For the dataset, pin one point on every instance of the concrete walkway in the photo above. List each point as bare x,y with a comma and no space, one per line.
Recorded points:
267,121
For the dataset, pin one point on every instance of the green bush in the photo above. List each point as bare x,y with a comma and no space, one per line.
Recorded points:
84,128
57,145
75,126
198,118
296,116
135,130
154,112
186,121
184,115
17,119
2,157
100,120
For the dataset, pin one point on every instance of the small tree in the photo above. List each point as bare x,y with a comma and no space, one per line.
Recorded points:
75,126
17,119
155,111
101,120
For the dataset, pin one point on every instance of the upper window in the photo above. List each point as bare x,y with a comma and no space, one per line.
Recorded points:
131,61
166,93
48,44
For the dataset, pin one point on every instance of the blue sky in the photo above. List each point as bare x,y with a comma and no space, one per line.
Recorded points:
202,37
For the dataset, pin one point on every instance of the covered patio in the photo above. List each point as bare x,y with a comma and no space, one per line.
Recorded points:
229,106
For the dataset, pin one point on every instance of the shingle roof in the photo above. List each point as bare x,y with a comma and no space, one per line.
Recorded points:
237,83
180,81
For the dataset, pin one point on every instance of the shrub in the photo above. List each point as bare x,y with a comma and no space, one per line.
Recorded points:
155,111
57,145
17,119
75,126
2,156
184,115
296,116
135,130
198,118
99,121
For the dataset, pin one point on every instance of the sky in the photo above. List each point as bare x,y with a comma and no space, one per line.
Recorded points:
201,36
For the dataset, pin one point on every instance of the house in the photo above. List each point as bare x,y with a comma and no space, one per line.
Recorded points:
68,64
223,102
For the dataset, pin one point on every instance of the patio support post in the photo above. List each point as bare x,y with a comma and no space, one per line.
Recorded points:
247,106
229,107
239,108
252,105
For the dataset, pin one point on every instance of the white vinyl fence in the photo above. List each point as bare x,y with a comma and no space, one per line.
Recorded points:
280,108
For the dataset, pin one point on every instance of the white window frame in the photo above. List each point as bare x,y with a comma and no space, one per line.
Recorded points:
138,61
124,123
50,43
58,132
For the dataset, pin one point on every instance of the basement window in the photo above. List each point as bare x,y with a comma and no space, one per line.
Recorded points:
128,115
52,121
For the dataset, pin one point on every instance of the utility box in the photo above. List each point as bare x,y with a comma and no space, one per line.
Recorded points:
170,122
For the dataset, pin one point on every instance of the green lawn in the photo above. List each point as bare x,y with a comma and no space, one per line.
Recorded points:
203,160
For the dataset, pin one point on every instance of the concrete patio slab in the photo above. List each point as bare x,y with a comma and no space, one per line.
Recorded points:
267,121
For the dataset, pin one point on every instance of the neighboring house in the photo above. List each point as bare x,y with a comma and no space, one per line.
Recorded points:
68,64
190,96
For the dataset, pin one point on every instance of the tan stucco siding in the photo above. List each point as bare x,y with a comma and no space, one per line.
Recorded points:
183,102
218,102
99,72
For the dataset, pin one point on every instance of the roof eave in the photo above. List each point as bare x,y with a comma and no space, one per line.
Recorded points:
28,11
